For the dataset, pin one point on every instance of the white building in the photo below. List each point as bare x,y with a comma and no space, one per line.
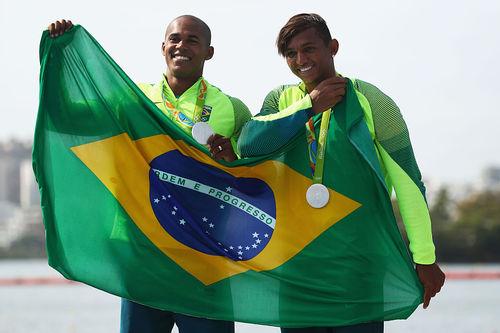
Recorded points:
10,228
20,212
12,154
29,195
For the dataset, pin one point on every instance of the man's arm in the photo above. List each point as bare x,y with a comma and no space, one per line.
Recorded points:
223,148
393,143
274,126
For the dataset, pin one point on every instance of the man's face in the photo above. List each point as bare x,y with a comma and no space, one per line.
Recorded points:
309,58
186,48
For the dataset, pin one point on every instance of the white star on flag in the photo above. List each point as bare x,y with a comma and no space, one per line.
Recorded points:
211,225
258,241
156,200
254,246
229,189
175,208
255,235
240,253
182,221
240,247
266,235
204,219
231,247
173,212
163,197
247,248
221,206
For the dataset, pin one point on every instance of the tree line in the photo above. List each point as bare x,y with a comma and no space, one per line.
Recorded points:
465,230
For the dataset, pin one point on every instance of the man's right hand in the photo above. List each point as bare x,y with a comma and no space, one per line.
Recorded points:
327,93
59,27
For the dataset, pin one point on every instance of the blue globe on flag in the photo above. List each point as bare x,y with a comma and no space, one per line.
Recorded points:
221,214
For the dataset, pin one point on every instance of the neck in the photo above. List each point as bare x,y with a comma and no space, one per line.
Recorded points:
311,85
179,85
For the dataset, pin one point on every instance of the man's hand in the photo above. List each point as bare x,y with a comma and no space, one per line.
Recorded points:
59,27
432,278
327,93
221,148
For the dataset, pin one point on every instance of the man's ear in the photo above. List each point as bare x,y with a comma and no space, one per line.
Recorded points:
163,48
210,53
334,47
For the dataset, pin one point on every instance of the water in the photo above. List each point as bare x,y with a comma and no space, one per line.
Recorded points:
463,306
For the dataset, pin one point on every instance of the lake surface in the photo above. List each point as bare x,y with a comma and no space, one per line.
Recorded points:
463,306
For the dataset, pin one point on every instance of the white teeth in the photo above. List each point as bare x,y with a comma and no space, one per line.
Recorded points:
180,57
305,69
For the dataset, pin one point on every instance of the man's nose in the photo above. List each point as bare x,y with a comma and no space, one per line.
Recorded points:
301,58
181,44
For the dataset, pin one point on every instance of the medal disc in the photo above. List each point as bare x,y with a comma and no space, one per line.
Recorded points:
317,195
201,132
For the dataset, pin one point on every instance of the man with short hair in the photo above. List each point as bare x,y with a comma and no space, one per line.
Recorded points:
308,48
186,98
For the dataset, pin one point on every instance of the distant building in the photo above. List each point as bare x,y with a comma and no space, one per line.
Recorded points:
29,195
20,213
12,155
490,178
16,222
9,179
10,228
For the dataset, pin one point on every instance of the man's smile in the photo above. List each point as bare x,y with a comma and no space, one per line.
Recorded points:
180,57
304,69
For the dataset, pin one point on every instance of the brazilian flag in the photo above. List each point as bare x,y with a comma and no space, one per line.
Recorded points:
133,206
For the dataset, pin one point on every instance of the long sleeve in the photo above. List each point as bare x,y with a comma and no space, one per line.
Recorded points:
275,125
394,146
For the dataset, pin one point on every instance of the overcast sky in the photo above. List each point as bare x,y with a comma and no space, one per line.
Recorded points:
439,60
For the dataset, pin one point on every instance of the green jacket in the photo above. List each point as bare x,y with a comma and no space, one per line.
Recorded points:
226,114
287,108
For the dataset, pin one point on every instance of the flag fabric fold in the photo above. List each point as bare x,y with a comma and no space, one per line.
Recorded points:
133,206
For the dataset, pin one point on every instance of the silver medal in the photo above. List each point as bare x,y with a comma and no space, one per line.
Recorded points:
201,132
317,195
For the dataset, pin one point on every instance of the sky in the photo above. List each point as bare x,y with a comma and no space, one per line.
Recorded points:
438,60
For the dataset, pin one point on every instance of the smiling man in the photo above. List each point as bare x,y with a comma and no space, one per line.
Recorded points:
185,97
364,147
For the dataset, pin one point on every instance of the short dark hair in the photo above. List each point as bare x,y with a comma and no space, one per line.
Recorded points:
299,23
204,27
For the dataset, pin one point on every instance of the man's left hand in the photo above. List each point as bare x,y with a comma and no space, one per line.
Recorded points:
221,148
432,278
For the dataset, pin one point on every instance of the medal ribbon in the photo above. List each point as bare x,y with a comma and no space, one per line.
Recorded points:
317,148
179,116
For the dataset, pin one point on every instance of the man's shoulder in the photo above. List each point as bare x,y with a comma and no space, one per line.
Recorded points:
279,97
151,90
364,86
284,90
367,88
215,94
373,94
145,86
